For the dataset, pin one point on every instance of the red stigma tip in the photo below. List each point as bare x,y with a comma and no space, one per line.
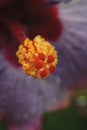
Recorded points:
43,74
50,59
41,56
38,64
52,69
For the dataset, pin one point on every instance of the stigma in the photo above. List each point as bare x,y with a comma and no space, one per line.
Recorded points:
37,57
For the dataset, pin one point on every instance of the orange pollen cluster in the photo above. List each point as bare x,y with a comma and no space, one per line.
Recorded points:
38,57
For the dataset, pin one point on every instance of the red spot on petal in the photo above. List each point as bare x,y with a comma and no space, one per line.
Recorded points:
10,53
3,3
45,23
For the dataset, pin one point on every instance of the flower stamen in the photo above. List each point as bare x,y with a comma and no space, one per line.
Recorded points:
36,55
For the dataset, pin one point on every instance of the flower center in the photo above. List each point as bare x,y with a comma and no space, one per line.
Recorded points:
37,57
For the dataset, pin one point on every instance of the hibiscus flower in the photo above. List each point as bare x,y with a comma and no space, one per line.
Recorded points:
65,27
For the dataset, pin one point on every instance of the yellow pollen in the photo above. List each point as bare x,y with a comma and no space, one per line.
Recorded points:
38,57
